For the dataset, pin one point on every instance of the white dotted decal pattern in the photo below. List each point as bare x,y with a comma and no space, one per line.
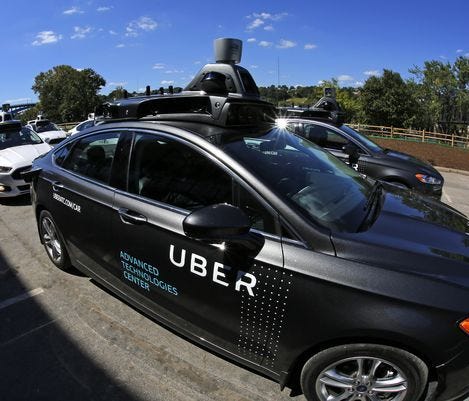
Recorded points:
262,316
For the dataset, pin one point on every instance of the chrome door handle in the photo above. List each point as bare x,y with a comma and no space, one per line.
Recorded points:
129,217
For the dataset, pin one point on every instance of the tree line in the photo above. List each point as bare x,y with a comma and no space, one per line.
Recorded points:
434,98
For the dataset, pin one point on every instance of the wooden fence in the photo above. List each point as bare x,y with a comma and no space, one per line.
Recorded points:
408,134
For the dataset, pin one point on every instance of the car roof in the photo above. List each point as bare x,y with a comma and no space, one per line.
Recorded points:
195,110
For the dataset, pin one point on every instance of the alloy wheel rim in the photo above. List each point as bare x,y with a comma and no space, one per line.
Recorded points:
51,239
361,379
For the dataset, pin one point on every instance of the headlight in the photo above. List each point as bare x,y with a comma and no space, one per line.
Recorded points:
4,169
428,179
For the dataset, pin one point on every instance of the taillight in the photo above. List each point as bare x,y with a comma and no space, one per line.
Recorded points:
464,326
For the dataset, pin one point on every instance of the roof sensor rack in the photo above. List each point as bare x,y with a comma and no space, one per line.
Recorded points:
223,94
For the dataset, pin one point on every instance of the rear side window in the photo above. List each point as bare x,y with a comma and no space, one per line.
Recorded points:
324,137
92,156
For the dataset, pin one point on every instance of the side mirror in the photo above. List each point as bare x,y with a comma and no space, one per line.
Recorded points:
222,223
352,151
219,223
47,140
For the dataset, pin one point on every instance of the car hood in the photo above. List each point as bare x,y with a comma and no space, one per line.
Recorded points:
52,134
22,155
413,233
411,160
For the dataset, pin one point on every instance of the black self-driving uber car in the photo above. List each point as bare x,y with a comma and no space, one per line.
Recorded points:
198,210
329,132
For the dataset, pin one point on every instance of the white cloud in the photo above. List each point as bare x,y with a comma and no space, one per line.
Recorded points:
116,84
269,28
159,66
466,55
120,45
255,24
259,19
254,66
111,32
197,62
344,78
46,37
80,33
264,43
460,51
371,73
358,83
321,82
251,40
269,16
444,57
73,10
174,72
142,24
164,82
310,46
286,44
104,9
20,100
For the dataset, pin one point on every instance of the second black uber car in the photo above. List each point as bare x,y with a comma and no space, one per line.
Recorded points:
398,168
200,211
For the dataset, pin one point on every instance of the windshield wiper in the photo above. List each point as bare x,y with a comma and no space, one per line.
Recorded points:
372,203
375,193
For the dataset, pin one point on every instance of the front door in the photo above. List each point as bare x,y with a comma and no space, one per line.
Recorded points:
222,295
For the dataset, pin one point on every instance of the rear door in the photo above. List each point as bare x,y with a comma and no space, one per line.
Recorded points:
81,199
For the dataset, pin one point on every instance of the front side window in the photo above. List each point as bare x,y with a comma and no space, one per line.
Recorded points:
92,156
171,172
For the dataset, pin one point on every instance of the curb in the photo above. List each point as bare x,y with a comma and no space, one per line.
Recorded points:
452,170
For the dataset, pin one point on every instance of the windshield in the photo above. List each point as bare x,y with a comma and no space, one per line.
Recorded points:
25,136
374,147
44,127
317,183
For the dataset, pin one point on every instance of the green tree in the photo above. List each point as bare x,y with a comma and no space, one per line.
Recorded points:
443,91
68,94
388,100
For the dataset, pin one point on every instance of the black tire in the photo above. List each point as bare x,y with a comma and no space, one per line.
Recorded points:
340,366
53,242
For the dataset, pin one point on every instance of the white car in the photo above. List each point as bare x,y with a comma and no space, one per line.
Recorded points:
47,131
82,126
19,146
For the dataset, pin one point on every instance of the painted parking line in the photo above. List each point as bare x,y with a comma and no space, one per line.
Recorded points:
11,301
445,194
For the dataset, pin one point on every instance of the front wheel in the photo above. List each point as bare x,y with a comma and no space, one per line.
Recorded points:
53,242
365,372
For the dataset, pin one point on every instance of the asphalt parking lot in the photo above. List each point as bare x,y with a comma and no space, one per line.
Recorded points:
64,338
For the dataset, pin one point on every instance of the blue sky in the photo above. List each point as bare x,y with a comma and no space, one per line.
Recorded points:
160,42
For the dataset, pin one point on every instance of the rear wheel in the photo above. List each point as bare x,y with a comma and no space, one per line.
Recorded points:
53,242
364,372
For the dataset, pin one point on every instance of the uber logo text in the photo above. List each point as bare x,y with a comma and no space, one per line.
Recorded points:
198,266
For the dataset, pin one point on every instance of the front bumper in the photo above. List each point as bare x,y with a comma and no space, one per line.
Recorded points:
453,378
9,187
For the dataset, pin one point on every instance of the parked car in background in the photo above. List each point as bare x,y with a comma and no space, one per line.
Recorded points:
368,157
19,146
82,126
47,130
